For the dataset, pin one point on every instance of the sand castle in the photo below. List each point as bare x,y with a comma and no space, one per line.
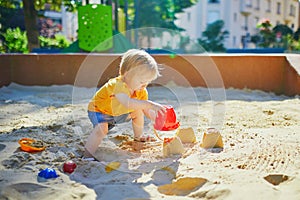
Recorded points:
186,135
172,146
212,139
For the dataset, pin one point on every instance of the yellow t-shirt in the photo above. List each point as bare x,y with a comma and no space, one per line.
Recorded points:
104,100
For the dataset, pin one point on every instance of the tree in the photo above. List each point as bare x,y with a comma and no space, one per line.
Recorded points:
266,33
297,34
30,8
214,36
154,13
283,29
284,36
31,24
11,18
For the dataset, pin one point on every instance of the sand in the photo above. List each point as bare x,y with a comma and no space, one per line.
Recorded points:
260,158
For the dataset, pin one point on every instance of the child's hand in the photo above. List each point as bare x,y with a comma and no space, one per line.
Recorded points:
158,108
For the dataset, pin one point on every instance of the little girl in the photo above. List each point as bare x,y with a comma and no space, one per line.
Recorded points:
124,98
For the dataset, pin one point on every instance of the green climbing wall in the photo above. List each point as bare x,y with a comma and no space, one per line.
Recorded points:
95,27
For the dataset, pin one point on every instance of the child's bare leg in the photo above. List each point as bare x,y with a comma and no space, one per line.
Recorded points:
150,114
95,138
137,123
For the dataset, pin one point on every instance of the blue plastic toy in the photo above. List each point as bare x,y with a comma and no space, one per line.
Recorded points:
48,173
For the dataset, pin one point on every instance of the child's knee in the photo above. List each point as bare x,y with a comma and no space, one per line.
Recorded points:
101,129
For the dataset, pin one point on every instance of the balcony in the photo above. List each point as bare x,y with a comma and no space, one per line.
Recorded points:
245,8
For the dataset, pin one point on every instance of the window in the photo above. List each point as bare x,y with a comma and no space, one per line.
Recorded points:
292,10
249,3
234,41
278,8
189,16
257,5
213,1
256,20
268,6
235,17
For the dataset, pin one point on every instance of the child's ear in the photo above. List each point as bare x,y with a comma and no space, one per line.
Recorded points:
124,75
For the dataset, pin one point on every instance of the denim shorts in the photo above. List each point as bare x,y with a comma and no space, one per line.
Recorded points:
97,118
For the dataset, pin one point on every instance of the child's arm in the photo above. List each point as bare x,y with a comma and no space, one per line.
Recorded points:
136,104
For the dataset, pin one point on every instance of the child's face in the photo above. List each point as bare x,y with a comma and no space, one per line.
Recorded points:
137,80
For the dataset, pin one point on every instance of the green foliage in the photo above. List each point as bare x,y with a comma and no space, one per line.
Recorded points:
2,48
255,39
280,36
284,36
154,13
71,5
10,3
15,41
266,33
158,13
283,29
296,45
290,44
30,7
297,34
214,37
11,18
59,41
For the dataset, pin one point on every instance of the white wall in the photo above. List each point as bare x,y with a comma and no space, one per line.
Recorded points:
195,19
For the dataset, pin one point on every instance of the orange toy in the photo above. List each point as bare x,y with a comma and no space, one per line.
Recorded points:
167,140
31,145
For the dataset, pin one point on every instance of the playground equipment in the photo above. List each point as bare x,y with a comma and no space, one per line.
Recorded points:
96,32
95,27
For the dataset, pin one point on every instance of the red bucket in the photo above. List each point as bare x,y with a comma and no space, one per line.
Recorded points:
167,121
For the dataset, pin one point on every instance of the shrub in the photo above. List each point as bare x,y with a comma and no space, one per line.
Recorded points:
15,41
214,37
266,33
2,49
59,42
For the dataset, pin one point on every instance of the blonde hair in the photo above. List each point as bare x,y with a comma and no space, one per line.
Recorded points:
134,58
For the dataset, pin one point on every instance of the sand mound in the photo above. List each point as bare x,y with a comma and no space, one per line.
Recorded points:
182,186
259,159
38,191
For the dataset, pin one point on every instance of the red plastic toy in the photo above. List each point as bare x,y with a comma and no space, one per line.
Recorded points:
69,166
166,122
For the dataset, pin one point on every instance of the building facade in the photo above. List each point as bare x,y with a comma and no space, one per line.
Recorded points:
240,17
